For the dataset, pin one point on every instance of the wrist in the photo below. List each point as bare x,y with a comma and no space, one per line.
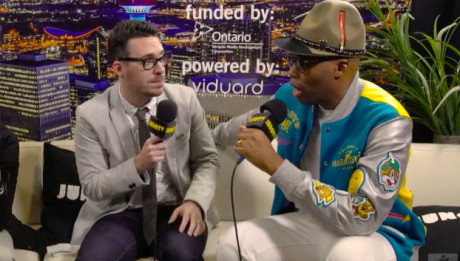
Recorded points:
195,203
138,165
273,165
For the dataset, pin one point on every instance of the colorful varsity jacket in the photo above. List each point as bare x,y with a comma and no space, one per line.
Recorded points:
360,187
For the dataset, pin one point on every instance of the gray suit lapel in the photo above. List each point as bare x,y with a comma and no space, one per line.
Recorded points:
119,122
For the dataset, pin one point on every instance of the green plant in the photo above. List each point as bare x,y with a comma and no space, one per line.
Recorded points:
427,82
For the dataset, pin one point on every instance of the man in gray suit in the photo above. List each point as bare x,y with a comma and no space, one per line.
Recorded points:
114,168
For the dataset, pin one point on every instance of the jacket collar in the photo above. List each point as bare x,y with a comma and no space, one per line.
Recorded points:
349,101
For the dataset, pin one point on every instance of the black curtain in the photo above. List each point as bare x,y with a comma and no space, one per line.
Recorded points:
425,13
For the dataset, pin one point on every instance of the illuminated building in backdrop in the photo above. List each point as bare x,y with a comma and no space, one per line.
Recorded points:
83,88
178,56
97,55
137,9
72,45
35,97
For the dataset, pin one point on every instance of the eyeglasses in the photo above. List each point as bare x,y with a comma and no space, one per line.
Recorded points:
147,63
303,63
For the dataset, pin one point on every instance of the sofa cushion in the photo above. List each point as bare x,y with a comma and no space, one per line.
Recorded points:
213,239
443,232
20,254
62,198
27,204
249,183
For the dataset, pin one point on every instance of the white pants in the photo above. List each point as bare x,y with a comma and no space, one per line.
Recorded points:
6,246
297,236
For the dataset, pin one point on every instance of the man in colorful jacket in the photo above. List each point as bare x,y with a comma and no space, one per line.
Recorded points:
342,155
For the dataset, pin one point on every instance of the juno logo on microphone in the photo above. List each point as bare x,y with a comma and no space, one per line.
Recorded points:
170,130
163,124
270,127
262,121
161,128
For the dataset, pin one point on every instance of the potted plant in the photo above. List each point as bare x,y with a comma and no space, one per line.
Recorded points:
427,82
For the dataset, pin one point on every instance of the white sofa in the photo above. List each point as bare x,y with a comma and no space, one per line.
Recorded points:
431,172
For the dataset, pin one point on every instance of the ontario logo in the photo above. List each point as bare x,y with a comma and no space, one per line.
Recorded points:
388,172
347,158
201,30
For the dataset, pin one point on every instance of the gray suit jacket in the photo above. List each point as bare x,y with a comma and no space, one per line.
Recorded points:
105,150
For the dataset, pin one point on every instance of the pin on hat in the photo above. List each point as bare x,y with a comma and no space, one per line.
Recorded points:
330,28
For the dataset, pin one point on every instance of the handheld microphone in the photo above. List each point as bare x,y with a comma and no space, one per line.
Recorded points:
164,123
272,113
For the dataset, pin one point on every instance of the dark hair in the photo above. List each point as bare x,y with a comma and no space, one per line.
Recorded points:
125,30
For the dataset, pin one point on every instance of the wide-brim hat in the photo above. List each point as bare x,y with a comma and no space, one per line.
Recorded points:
330,28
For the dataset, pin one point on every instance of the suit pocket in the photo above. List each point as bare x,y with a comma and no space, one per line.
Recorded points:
181,138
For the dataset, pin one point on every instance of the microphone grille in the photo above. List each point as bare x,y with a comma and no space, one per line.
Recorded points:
277,108
167,111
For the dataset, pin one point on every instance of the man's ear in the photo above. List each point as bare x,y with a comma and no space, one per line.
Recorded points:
117,68
341,68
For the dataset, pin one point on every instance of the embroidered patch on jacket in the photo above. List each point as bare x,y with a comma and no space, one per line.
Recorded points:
388,172
282,141
285,125
363,209
291,120
356,181
347,158
325,194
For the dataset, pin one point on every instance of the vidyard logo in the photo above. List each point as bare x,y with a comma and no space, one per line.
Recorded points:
200,30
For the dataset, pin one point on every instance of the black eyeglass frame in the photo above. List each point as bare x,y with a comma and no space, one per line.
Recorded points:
145,61
303,62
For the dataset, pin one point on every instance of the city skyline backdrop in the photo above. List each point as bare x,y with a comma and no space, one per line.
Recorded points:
196,37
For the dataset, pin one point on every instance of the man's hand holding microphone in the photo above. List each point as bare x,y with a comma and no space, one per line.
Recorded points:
152,152
254,140
162,127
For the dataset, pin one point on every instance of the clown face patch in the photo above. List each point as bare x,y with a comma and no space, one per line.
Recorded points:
363,209
325,195
388,172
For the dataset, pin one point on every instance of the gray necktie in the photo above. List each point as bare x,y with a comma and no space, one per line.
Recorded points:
149,192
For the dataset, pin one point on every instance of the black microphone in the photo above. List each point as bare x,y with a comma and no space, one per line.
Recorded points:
164,123
272,113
